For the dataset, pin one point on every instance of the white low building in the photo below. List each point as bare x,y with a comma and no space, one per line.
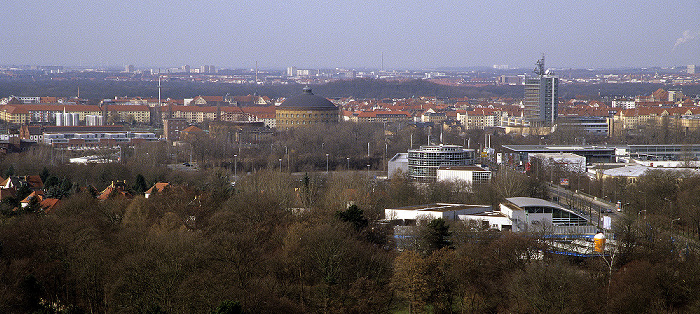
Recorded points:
534,214
570,162
410,214
471,175
399,163
518,214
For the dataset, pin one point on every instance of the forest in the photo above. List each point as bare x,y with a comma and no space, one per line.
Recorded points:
96,89
298,239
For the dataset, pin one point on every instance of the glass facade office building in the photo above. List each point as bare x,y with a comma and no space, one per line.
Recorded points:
424,162
541,100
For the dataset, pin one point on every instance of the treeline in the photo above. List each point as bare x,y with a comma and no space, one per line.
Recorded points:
281,243
96,89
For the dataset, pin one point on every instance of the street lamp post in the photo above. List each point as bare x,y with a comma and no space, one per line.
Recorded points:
286,152
348,159
368,170
280,164
326,163
235,165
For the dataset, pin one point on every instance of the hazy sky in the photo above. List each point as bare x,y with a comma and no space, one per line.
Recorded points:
335,33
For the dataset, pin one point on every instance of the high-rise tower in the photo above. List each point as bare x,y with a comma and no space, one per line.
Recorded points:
541,99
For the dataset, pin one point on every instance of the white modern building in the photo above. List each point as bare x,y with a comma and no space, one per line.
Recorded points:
568,161
424,161
624,103
410,214
534,214
94,120
398,163
590,124
86,140
471,175
518,214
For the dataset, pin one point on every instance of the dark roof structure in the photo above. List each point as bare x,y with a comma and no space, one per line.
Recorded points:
308,100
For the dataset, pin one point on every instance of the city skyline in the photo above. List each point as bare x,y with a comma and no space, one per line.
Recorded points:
326,34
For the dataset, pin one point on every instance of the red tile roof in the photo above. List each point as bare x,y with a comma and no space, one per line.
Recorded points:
49,204
115,190
192,129
159,187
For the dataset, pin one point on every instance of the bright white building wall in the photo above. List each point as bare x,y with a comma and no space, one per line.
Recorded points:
570,162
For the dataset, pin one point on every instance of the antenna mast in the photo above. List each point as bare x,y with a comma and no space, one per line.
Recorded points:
159,102
382,62
539,70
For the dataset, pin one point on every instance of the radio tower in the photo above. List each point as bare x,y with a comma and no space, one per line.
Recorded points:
159,102
539,70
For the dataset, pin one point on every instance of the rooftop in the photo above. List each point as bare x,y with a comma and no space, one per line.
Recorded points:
558,155
523,202
553,148
307,100
462,168
441,207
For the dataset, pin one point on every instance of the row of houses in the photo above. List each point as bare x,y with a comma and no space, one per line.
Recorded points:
247,100
13,186
477,118
143,114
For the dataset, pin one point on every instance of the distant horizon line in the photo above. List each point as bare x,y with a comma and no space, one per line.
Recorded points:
372,69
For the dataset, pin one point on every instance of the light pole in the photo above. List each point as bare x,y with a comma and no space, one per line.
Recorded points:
286,152
348,159
235,166
368,170
386,152
280,164
326,163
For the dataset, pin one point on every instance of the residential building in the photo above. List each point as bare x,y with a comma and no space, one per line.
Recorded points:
159,187
116,190
172,128
191,133
44,113
382,116
291,71
193,114
434,117
624,103
265,114
509,80
481,118
128,113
